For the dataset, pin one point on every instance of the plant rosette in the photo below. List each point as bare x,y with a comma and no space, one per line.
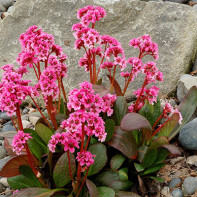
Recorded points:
90,142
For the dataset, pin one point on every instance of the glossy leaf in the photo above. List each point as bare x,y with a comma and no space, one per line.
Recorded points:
138,167
116,87
120,109
126,194
100,160
106,192
169,126
173,149
123,174
61,174
157,179
11,168
44,132
99,82
20,182
141,153
162,154
149,158
116,161
160,141
153,169
36,192
93,191
124,142
120,185
187,108
109,129
134,121
28,173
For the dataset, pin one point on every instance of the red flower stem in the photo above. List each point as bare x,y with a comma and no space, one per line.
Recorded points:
94,70
35,72
63,90
13,123
112,84
127,84
157,130
138,99
87,143
90,66
18,114
160,117
42,114
82,138
70,170
39,72
82,183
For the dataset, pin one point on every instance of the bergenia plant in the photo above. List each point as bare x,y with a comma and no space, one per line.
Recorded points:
90,142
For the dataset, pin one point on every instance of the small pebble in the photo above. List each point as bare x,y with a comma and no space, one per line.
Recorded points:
177,193
25,111
8,128
25,117
2,188
34,119
8,192
4,182
195,7
4,116
5,14
26,124
2,152
190,185
174,182
10,9
192,160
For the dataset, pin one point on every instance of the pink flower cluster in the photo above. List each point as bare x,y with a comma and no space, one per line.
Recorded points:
12,89
85,159
146,46
84,98
19,141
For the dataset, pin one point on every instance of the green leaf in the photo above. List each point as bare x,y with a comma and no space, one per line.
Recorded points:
109,129
157,178
36,192
126,194
120,109
124,142
93,191
149,158
44,132
173,149
169,126
106,192
154,168
138,167
20,182
187,108
106,177
61,173
141,153
163,153
123,174
120,185
62,107
99,82
116,86
160,141
116,161
100,160
28,173
134,121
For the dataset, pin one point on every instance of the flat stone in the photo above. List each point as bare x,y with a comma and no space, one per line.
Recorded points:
192,160
8,128
2,188
10,9
26,124
4,116
9,123
2,152
2,8
190,185
188,135
4,182
184,84
33,119
195,7
174,182
177,193
25,117
167,24
6,3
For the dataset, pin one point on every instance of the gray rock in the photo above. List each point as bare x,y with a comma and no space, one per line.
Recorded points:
4,161
33,120
8,128
25,111
164,24
6,3
4,182
177,193
188,135
2,8
8,192
194,1
2,152
192,160
9,123
10,9
184,84
25,117
4,116
190,185
195,7
26,124
174,182
2,188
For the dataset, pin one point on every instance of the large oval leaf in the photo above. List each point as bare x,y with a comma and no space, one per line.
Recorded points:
61,174
116,161
44,132
134,121
11,168
106,192
149,157
100,160
124,142
121,185
93,191
120,109
109,129
187,108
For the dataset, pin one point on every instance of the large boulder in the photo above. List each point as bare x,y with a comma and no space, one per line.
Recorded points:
172,26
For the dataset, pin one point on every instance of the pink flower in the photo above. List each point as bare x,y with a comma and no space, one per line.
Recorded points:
19,141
